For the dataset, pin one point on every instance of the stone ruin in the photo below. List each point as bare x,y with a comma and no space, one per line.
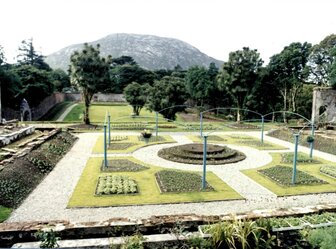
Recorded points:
324,105
25,111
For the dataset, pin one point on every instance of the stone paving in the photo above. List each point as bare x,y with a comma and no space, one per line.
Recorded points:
49,200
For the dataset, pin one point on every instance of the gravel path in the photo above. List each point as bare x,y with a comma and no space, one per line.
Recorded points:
49,200
66,112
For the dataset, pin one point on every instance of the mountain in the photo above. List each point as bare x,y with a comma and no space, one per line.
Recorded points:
150,52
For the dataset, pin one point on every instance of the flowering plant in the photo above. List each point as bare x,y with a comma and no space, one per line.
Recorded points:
146,133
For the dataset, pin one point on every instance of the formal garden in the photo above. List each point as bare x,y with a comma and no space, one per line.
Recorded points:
198,141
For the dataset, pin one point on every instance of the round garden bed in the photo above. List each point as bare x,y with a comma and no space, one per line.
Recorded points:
193,154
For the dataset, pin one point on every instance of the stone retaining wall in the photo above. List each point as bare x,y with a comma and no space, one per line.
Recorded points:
11,233
6,139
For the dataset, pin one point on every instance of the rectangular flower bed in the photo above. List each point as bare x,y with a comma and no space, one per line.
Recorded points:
116,184
283,175
179,181
328,170
122,165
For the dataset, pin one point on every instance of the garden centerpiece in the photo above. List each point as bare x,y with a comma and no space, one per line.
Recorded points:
193,154
146,133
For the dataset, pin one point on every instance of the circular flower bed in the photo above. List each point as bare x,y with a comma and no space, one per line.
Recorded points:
193,154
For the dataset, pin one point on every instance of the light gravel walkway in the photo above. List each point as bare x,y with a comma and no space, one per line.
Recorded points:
49,200
66,112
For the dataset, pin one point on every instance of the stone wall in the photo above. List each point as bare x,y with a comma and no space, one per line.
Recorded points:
55,98
6,139
324,99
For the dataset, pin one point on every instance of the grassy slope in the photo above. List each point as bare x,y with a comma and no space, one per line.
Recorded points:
84,193
4,213
56,111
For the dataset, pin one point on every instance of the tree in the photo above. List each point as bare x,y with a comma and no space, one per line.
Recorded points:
35,83
321,60
289,71
29,56
60,79
168,92
136,96
238,76
123,60
89,72
126,74
198,84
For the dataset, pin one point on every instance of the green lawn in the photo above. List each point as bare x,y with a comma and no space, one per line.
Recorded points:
312,169
4,213
132,140
120,113
84,193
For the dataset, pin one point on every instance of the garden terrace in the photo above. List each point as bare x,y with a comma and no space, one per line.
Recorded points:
193,154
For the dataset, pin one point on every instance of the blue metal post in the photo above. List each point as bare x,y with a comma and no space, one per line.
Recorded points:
109,129
296,142
201,124
312,143
156,123
105,149
204,162
262,129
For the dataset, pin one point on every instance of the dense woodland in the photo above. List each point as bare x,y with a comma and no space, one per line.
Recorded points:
243,81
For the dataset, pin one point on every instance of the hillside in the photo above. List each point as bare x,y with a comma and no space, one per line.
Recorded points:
150,52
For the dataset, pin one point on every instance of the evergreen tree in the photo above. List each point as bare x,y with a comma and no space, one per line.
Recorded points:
89,72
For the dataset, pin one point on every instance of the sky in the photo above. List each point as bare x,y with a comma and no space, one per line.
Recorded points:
215,27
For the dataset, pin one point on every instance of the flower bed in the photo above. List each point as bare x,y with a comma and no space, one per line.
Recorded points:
179,181
328,170
119,165
20,177
151,139
119,138
301,158
120,146
117,184
283,175
129,126
314,220
193,154
320,143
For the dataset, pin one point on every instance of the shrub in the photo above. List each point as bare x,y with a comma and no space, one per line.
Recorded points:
324,238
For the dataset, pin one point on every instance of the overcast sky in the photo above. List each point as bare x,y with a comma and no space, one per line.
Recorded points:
216,27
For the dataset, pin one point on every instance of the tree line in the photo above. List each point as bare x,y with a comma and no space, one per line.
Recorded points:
243,81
